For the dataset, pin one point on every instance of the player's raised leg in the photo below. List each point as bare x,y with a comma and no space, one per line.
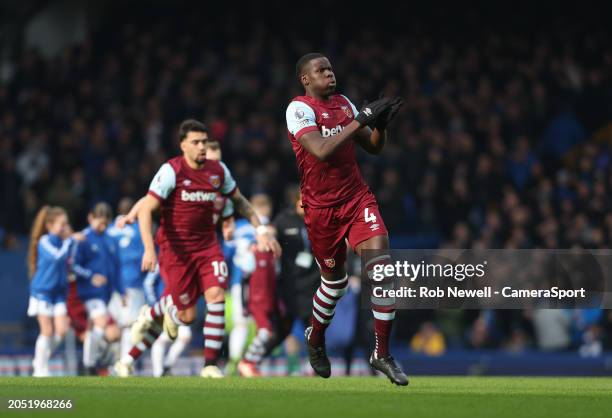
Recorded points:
148,315
125,366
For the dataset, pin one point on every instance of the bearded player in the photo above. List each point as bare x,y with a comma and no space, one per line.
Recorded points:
323,129
190,257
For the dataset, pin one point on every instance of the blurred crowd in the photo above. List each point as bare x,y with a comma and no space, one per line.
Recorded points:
502,142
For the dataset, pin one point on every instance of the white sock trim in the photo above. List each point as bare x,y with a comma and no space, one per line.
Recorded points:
214,344
319,318
324,298
321,309
215,319
332,282
215,307
213,331
337,293
384,316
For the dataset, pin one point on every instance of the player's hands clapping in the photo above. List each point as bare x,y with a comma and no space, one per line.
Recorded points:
379,113
149,261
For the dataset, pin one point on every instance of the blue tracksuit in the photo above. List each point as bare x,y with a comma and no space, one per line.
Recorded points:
50,279
130,254
97,254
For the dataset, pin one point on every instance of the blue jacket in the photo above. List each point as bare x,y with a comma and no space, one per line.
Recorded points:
51,273
97,254
130,254
242,261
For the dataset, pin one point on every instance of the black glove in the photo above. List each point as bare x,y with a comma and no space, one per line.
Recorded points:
372,111
387,116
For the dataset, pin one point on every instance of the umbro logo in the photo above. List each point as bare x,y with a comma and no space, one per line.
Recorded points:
186,182
325,115
367,111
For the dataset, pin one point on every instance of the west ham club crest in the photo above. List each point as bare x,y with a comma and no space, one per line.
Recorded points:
215,181
347,111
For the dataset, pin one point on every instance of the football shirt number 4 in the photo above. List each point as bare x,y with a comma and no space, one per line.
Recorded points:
369,217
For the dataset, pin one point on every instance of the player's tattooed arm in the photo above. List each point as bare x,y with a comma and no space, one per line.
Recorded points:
323,148
373,141
265,240
243,207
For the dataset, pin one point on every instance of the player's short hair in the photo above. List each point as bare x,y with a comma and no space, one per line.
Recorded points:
303,61
213,144
190,125
101,210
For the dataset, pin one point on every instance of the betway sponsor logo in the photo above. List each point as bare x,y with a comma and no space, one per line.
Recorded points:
198,196
325,131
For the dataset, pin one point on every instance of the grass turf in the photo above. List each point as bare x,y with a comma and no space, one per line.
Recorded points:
313,397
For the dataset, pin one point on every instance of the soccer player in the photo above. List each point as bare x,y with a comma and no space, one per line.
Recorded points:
130,254
323,129
96,266
191,261
50,244
145,335
162,361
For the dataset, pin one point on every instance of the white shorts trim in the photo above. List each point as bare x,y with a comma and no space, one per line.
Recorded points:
42,307
95,308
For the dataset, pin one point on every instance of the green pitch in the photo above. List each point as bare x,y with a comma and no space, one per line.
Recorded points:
313,397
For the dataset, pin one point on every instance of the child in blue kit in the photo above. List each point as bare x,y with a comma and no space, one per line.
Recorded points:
50,244
97,269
